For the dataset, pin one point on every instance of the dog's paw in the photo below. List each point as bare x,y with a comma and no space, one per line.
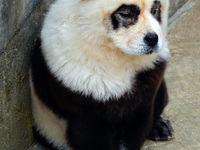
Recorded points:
162,131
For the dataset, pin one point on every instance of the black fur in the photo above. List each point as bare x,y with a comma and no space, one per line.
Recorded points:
125,16
156,10
162,131
96,125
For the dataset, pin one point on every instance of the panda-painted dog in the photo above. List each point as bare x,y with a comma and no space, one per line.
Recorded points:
96,75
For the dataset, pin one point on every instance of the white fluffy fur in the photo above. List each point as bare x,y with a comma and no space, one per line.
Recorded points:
88,56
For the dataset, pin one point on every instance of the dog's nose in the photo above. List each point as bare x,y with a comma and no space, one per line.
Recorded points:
151,39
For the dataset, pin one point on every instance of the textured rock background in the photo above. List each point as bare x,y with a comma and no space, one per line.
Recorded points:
175,5
20,21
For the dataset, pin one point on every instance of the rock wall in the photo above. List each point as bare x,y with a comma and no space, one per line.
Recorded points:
177,8
20,22
175,5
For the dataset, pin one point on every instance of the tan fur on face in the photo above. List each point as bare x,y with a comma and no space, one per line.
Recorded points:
131,39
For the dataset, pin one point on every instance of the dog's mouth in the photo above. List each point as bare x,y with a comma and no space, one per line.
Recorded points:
150,50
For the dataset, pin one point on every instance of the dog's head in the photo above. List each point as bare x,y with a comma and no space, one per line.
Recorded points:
136,27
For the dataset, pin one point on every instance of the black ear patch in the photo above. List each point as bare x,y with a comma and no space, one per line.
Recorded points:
125,16
156,10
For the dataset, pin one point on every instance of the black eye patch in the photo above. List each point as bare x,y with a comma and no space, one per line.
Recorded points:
156,10
125,16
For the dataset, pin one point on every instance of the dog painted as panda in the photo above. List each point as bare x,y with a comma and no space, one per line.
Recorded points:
97,75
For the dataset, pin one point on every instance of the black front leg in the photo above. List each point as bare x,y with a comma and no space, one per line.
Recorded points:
162,129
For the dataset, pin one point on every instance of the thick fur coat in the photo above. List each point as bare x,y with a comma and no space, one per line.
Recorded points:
97,75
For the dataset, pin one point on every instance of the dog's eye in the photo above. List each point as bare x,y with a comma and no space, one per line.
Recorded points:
125,15
156,10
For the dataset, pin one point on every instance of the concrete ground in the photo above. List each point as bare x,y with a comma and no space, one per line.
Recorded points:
183,80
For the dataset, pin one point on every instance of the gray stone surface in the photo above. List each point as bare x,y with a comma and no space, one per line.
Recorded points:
19,24
177,8
175,5
20,21
13,14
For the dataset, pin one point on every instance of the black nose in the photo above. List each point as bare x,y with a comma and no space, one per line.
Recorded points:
151,39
